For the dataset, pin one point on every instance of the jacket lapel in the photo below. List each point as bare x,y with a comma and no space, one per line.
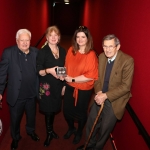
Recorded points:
33,55
103,69
115,66
17,56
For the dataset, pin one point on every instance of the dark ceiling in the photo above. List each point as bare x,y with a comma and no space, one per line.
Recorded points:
62,1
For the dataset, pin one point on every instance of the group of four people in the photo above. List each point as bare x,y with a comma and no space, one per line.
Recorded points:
32,73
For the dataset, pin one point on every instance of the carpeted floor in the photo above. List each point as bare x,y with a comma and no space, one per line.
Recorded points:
60,127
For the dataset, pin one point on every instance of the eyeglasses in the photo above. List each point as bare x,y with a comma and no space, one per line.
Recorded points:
110,47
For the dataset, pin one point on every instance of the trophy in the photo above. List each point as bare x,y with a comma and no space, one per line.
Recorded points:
61,71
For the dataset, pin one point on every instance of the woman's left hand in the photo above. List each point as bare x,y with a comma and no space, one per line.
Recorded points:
52,71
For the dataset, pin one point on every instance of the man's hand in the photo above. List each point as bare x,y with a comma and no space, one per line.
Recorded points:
1,101
100,98
1,97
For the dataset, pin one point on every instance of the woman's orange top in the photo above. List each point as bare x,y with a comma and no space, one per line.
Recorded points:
82,64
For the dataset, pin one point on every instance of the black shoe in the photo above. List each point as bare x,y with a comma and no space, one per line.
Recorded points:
82,147
14,145
48,139
34,136
77,138
55,136
69,133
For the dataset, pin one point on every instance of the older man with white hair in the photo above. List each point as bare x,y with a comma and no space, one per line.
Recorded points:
18,63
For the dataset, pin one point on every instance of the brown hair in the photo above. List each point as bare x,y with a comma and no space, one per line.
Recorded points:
89,44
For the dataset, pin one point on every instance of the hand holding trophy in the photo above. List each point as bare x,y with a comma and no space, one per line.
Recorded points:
61,72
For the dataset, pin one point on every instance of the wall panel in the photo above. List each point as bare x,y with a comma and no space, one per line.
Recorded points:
14,15
130,21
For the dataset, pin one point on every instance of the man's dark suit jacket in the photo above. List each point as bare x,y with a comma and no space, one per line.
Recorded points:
119,83
10,67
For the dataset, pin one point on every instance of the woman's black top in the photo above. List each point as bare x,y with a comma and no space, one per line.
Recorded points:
49,87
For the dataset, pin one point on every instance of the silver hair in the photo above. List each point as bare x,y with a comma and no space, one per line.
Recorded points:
110,37
22,31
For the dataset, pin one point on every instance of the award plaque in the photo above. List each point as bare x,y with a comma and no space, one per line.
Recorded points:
61,71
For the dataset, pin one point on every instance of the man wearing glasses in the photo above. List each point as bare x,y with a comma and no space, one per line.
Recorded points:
112,89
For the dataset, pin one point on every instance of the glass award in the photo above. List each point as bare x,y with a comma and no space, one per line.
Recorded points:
61,71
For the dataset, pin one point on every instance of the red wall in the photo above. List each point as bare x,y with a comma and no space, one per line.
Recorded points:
130,21
14,15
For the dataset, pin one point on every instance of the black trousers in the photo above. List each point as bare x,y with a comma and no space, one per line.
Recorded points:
77,113
104,126
16,113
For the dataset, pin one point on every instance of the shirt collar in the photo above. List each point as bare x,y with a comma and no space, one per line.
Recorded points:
113,58
21,52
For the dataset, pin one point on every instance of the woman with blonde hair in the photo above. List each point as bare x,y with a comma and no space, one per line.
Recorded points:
49,58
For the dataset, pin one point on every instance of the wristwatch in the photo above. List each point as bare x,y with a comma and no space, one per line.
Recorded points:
73,80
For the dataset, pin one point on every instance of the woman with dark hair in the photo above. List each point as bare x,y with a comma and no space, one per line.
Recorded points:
82,70
49,58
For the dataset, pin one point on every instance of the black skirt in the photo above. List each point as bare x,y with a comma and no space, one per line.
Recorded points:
78,112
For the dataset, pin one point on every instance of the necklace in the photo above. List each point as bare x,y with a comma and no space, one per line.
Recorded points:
56,54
